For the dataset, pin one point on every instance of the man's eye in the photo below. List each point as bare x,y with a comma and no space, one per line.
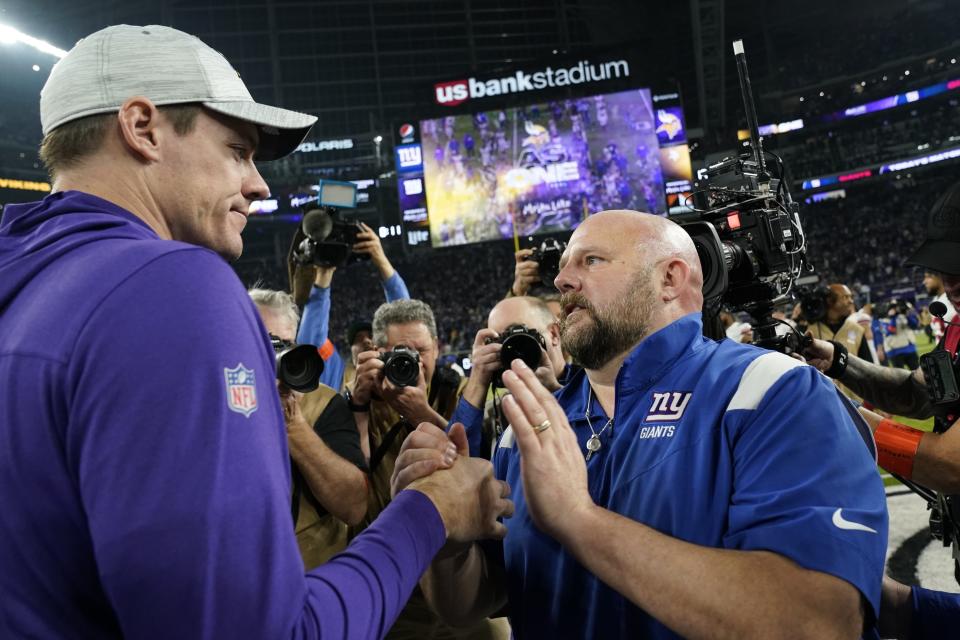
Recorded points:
592,260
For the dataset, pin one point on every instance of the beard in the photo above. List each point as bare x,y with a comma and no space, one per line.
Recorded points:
605,334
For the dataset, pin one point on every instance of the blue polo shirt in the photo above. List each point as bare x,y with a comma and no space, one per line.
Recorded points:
716,443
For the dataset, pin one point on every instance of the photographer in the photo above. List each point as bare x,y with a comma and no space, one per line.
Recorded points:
328,473
387,412
487,363
314,327
839,323
899,339
526,273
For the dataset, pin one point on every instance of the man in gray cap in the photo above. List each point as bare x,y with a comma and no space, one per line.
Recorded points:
144,471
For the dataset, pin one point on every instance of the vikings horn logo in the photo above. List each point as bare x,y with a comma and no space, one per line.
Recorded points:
669,123
537,136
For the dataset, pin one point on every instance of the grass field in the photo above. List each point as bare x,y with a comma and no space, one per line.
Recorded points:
923,346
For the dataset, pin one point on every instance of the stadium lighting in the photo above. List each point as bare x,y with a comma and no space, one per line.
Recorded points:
953,61
378,139
9,35
907,72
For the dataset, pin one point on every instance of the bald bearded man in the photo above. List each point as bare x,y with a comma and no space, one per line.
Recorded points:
677,486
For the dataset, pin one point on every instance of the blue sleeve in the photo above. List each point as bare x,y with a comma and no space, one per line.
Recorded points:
806,486
472,419
179,446
394,288
315,322
936,615
877,334
913,321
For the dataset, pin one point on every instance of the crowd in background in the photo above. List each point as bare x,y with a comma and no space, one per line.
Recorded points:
862,239
825,55
859,240
876,139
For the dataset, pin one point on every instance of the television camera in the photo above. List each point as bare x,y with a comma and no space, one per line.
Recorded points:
746,228
324,239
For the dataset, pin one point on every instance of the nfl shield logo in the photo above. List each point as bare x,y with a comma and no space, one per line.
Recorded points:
241,390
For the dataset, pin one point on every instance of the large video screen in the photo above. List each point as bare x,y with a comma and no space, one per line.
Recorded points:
540,168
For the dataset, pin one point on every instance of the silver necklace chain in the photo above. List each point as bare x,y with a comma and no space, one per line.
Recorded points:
594,444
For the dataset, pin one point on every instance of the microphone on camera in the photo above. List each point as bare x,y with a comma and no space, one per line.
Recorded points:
317,224
939,309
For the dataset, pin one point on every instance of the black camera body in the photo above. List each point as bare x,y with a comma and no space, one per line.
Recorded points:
746,229
940,375
519,341
328,240
299,366
401,366
547,256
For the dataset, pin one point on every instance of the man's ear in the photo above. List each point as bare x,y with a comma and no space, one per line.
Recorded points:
554,331
139,122
676,277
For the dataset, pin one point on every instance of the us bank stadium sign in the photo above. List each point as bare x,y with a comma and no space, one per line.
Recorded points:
455,92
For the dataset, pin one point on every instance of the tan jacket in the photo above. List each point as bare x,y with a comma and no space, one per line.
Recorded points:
318,536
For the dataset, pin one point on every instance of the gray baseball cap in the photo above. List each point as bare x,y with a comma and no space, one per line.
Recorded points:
169,67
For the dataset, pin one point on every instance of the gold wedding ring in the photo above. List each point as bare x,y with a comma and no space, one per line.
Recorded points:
543,426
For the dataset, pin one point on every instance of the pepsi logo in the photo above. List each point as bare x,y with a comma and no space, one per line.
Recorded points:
406,130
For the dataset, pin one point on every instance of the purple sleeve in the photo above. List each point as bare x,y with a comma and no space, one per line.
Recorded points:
178,444
936,614
360,592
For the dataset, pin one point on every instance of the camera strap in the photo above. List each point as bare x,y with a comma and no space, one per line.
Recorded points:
377,456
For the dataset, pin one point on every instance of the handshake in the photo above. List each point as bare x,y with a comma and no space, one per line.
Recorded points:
463,489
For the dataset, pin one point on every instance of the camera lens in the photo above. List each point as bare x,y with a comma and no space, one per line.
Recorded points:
300,367
402,367
522,346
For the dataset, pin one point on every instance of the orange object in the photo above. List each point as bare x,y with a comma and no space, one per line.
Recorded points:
897,445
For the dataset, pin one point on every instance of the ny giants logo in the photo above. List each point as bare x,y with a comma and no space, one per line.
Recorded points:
668,406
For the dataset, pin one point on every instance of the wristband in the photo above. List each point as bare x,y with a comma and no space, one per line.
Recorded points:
897,445
356,408
840,358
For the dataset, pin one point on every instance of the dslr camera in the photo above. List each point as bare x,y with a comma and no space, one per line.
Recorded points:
299,366
519,341
547,256
401,366
813,302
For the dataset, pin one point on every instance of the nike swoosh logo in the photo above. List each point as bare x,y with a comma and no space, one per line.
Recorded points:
842,523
